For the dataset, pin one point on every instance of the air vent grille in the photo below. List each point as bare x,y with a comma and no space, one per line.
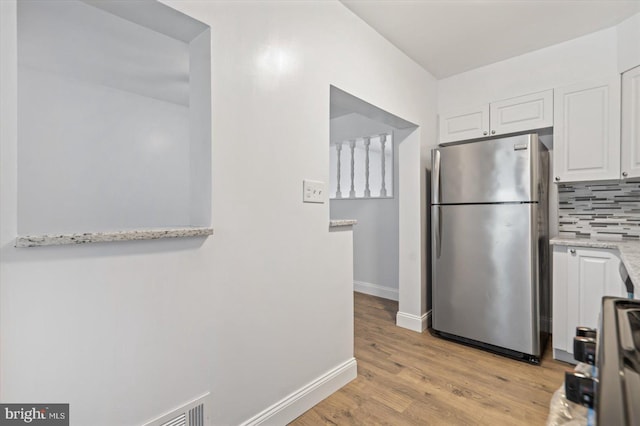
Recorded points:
181,420
190,414
196,416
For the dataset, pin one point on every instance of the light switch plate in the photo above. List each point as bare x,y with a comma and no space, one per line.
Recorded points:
313,191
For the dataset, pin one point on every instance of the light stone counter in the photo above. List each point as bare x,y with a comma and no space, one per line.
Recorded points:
101,237
342,222
629,252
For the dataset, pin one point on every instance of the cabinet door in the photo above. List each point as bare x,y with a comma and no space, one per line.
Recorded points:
529,112
630,159
586,134
464,124
591,274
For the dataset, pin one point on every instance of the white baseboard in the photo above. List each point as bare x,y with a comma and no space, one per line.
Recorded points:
295,404
413,322
564,356
376,290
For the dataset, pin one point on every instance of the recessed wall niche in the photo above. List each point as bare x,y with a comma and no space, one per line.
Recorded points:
114,119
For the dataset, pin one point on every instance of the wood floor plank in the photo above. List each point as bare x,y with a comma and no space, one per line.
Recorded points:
408,378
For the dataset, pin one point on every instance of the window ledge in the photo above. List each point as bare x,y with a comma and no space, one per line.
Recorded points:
109,236
342,222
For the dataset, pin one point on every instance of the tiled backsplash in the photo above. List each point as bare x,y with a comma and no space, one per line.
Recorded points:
596,210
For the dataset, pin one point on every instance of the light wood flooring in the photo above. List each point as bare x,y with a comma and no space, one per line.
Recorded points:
406,378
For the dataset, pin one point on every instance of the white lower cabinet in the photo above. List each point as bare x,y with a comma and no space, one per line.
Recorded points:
581,277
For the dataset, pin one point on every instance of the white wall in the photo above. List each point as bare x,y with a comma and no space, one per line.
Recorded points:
589,57
200,129
126,331
375,237
98,93
74,135
83,42
629,43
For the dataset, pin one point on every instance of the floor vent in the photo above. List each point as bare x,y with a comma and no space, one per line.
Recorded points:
190,414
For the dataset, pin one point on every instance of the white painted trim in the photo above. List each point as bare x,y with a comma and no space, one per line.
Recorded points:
184,409
376,290
295,404
413,322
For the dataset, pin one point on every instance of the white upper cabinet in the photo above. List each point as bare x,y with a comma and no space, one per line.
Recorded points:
586,133
630,144
529,112
472,123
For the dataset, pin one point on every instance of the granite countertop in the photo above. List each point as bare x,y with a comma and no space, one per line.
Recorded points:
629,251
102,237
342,222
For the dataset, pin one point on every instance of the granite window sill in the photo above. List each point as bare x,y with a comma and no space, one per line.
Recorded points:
110,236
342,223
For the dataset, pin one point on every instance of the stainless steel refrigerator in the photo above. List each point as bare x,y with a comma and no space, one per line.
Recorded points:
490,256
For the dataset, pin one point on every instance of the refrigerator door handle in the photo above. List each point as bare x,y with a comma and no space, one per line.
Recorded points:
437,222
435,176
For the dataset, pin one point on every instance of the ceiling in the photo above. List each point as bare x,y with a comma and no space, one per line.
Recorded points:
448,37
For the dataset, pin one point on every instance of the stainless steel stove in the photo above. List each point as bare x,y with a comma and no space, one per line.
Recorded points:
614,390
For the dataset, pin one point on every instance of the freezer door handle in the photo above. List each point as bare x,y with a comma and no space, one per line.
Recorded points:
435,176
437,226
